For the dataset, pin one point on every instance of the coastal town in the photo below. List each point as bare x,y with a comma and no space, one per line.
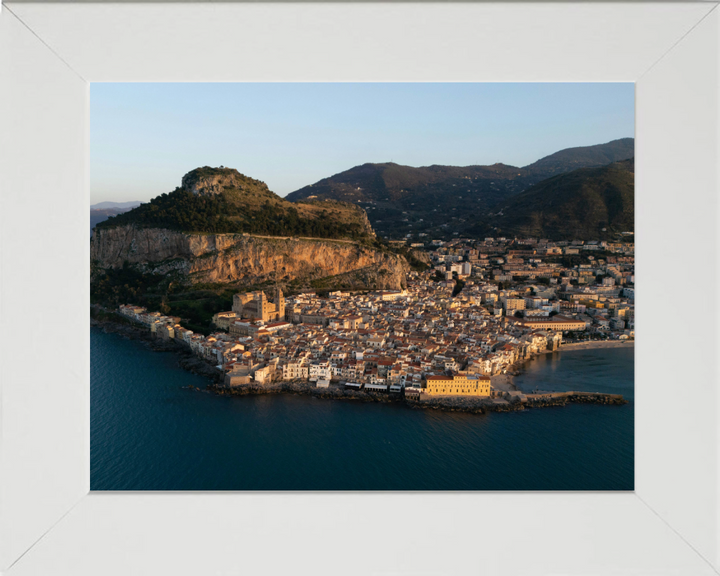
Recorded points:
478,312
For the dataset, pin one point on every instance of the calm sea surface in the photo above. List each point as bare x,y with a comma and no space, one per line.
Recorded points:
150,433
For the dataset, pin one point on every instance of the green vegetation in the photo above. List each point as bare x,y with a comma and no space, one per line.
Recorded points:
459,285
587,204
101,315
584,157
225,213
442,200
415,263
127,285
403,250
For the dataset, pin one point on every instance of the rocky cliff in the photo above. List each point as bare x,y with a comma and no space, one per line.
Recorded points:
233,258
208,181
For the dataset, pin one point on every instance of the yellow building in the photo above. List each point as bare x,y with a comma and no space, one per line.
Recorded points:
458,385
514,303
559,323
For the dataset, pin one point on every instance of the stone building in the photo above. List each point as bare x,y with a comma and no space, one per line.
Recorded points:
256,306
458,385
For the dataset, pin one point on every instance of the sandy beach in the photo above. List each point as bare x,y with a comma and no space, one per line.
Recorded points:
506,383
503,382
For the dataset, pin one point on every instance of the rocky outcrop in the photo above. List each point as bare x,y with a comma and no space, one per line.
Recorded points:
220,258
422,256
208,181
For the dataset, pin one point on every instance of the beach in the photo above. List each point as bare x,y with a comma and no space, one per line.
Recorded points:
503,382
506,383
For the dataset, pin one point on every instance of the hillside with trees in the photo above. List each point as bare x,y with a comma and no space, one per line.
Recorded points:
440,200
221,200
586,204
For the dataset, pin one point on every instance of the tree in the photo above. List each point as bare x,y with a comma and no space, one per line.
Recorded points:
518,314
164,306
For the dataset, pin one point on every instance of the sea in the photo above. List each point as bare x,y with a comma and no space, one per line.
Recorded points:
154,427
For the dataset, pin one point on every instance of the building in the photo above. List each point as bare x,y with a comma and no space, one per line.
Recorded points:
295,370
167,332
224,319
513,304
559,323
264,375
458,385
255,306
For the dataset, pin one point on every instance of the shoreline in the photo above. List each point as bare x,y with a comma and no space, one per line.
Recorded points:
597,344
592,345
476,405
506,382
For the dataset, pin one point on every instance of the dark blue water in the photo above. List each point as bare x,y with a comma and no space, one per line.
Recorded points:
149,433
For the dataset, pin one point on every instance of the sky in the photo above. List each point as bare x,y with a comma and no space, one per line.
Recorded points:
145,137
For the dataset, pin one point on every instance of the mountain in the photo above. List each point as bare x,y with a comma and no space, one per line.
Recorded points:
437,199
583,157
402,199
222,200
121,205
98,215
221,230
587,204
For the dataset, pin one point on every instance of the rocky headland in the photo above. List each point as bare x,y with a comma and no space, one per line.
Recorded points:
229,258
222,227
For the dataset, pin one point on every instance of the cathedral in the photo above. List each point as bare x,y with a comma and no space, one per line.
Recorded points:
255,306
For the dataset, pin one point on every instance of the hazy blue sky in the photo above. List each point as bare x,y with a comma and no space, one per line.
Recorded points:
144,137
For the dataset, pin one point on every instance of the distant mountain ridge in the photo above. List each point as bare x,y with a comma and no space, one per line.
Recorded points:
402,200
115,205
98,215
584,157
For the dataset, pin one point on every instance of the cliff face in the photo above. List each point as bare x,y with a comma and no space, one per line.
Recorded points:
220,258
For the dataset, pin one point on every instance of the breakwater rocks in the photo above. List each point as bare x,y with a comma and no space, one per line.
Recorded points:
304,388
453,404
188,361
563,398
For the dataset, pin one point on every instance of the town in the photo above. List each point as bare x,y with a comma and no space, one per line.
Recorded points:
479,311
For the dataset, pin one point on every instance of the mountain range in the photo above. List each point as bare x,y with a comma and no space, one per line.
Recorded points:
444,200
584,192
115,205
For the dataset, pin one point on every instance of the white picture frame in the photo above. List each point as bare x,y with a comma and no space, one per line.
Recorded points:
51,524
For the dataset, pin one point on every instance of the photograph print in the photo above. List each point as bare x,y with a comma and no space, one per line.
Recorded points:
362,286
